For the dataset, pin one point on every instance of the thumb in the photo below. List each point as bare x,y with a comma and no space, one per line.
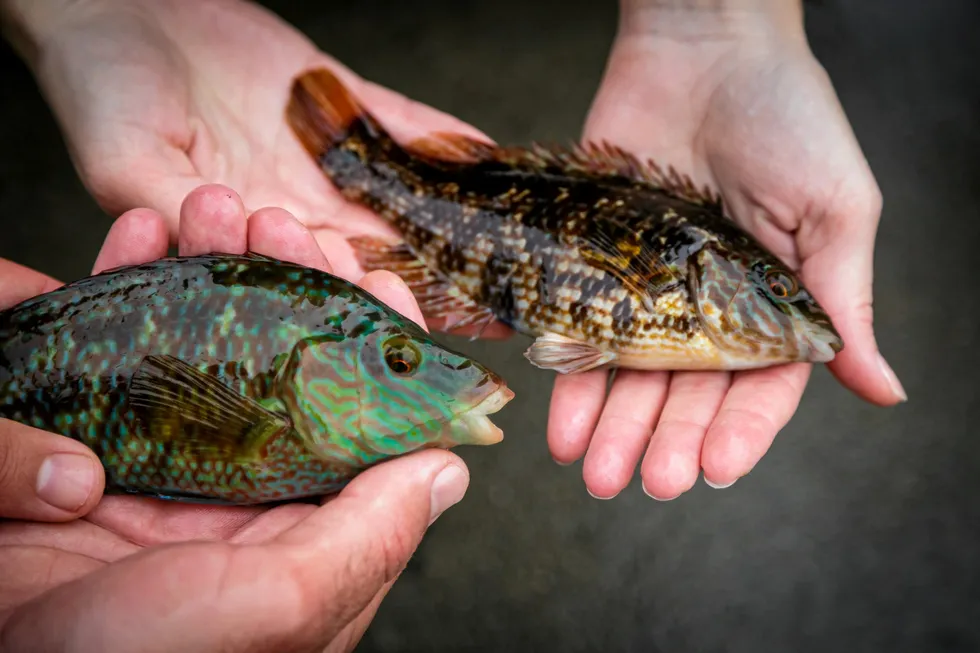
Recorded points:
43,476
296,592
359,542
18,283
46,477
838,261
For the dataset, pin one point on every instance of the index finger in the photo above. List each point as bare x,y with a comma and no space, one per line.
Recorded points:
212,220
18,283
758,405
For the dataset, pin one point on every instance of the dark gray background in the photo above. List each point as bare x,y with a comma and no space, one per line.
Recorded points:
859,531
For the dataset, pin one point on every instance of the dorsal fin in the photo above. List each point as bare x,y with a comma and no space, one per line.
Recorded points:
586,160
603,159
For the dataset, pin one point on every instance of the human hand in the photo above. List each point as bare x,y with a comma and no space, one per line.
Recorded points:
739,102
43,476
156,98
293,577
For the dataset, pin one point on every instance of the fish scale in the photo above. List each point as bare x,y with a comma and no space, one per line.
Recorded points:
603,259
155,366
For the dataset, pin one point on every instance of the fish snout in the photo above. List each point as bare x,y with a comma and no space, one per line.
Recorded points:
820,342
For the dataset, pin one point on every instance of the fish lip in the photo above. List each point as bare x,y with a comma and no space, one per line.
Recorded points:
475,424
822,343
493,402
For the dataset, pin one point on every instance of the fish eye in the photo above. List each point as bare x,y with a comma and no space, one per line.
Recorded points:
401,356
781,285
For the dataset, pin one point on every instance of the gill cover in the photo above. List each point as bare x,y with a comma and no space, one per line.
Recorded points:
387,393
738,313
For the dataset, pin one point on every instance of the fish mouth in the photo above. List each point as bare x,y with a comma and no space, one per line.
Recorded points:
474,426
821,344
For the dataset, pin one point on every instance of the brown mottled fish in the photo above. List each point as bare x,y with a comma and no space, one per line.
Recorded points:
603,259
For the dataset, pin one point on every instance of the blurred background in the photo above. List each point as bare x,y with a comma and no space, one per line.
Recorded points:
858,532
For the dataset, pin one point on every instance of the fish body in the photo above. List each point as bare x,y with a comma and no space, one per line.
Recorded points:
604,260
236,379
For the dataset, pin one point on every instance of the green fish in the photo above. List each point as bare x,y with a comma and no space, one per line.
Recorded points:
236,379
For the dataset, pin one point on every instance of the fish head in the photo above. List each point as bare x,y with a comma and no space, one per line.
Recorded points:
756,310
393,391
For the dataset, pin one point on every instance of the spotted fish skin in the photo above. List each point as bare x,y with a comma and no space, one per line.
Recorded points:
602,258
297,341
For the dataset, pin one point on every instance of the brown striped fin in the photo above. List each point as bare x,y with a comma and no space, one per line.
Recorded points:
590,159
437,296
322,112
622,252
603,159
447,146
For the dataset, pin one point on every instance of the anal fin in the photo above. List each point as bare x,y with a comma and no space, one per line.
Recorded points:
198,414
438,297
565,355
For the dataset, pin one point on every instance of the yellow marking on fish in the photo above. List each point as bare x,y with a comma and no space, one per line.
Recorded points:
673,302
227,320
149,328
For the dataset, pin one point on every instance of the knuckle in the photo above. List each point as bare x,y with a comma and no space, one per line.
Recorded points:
9,463
376,560
859,204
395,548
864,313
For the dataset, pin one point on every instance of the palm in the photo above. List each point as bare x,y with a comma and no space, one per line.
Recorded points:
120,527
218,119
772,138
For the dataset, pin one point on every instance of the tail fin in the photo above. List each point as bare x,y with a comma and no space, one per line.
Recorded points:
322,112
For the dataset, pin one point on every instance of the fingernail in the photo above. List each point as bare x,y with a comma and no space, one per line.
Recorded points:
893,381
65,480
596,496
718,486
654,496
561,463
447,490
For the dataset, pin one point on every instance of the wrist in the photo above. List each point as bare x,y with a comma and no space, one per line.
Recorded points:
27,24
31,25
698,20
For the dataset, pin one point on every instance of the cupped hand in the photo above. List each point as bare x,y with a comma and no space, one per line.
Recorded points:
293,577
156,98
43,476
747,109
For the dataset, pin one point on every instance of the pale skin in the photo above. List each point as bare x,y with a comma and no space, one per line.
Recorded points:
295,577
726,90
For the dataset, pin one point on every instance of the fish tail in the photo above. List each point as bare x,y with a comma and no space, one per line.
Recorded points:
323,113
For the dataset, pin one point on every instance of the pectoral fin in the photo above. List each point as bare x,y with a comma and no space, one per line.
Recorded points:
623,253
437,296
180,405
565,355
